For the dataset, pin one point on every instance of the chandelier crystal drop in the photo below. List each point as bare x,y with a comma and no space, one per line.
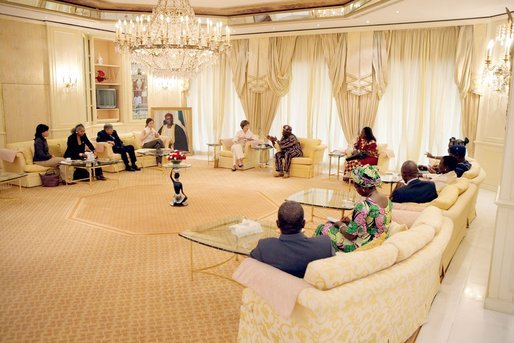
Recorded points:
172,42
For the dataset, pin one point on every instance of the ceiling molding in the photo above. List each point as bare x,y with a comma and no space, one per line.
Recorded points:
276,6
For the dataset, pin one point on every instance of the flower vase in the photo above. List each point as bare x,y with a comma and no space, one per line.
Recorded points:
176,162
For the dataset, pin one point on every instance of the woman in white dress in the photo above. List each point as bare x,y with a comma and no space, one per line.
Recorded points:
151,139
242,136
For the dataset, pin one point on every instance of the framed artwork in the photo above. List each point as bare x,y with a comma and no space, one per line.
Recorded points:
176,124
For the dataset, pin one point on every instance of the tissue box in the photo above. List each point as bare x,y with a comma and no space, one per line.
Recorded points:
246,228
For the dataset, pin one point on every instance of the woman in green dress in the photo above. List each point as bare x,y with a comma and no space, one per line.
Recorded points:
371,216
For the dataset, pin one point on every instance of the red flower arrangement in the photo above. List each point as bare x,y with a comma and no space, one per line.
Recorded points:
176,155
100,76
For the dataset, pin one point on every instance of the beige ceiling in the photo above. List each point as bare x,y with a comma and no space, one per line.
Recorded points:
211,7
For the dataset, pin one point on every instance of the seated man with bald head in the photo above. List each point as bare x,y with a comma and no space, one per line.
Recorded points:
292,251
413,189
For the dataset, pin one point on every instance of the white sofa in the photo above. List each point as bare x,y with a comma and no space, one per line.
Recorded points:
378,295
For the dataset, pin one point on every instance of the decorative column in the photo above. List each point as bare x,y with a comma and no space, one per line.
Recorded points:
500,292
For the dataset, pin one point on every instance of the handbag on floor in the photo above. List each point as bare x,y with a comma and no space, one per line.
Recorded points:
49,179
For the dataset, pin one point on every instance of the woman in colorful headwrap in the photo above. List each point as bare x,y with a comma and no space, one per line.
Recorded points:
459,152
365,151
371,216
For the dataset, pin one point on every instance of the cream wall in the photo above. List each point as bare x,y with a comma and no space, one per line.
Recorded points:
24,79
66,60
489,144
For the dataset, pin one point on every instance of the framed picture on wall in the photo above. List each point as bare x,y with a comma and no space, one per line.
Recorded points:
175,123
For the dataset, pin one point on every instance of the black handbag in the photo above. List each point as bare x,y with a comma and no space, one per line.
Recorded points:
358,156
49,179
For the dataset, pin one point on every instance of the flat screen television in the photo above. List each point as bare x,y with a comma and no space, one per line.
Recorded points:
106,98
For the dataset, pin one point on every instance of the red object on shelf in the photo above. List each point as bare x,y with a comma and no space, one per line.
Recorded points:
100,76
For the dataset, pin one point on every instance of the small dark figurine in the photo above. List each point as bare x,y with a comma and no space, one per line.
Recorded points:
180,198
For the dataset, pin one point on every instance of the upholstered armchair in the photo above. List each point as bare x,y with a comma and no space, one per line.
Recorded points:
384,155
307,165
250,160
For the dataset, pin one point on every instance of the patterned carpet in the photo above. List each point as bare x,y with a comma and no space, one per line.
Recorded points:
104,264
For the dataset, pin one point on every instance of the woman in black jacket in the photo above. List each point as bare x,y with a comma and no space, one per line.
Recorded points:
42,156
76,150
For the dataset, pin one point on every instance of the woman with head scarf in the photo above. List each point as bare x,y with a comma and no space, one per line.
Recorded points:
459,152
371,216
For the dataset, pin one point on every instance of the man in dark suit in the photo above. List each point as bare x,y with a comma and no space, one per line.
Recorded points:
109,135
413,189
292,251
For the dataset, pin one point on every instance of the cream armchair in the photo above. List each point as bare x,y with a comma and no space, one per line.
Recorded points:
250,160
383,156
307,165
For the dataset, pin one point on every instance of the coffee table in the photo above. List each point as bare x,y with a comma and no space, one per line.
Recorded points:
7,177
152,152
90,167
391,179
217,235
325,198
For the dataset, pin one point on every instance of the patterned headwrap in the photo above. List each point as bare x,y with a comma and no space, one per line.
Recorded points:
366,176
457,150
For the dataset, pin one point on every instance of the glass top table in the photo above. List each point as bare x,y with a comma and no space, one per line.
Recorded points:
326,198
90,166
154,152
218,235
6,177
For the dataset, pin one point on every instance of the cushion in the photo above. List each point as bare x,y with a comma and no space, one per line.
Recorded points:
302,160
227,143
472,172
28,153
34,168
446,198
137,140
395,228
374,243
410,241
55,149
431,216
405,217
409,206
278,288
461,184
334,271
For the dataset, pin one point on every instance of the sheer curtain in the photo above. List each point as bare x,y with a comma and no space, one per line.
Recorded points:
217,110
421,106
309,106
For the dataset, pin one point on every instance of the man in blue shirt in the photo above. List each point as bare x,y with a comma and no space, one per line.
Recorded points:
292,251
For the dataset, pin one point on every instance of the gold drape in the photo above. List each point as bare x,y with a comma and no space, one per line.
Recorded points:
260,96
464,68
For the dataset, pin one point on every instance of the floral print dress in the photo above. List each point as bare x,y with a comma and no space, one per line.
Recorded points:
369,221
371,150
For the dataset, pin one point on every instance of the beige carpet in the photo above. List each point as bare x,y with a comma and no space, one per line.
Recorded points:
82,265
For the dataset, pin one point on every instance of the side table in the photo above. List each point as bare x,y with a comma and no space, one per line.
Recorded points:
263,150
215,158
337,155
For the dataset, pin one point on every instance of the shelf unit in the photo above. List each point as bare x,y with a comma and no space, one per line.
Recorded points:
103,57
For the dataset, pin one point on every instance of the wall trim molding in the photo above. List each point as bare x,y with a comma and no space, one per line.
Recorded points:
491,144
499,305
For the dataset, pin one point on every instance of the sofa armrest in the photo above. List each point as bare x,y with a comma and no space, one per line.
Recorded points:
318,154
104,150
17,166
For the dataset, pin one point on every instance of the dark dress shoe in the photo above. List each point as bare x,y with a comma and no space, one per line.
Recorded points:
234,168
101,178
129,168
134,167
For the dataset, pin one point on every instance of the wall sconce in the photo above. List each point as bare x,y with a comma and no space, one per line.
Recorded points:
69,83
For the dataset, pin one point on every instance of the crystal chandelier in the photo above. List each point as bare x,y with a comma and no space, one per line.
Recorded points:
497,75
171,42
